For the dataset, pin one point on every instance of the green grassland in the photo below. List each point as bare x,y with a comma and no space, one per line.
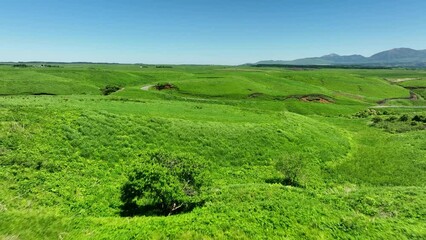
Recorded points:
66,151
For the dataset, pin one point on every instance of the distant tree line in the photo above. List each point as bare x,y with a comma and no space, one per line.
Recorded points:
50,66
21,65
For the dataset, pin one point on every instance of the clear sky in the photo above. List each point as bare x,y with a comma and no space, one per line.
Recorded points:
205,31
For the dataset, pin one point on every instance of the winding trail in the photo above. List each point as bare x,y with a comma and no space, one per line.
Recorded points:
413,97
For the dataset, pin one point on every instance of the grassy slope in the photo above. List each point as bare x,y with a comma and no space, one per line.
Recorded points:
64,158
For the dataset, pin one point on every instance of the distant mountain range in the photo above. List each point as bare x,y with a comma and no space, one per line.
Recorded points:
393,57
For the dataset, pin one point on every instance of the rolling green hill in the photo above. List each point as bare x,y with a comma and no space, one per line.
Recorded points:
353,138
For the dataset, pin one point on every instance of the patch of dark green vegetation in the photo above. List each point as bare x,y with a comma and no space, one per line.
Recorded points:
394,122
163,66
21,65
50,66
109,89
211,77
400,123
43,94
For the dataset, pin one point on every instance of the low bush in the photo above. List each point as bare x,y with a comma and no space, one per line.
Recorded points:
419,118
377,119
399,123
292,166
404,118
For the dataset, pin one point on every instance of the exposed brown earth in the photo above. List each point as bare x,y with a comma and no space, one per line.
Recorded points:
165,86
318,99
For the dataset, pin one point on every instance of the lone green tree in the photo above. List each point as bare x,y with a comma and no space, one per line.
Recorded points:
163,184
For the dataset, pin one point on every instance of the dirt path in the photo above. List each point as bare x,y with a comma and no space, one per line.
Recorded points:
398,80
147,87
394,106
413,97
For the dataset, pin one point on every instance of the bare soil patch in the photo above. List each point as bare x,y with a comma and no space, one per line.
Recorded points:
398,80
255,95
318,99
165,86
146,88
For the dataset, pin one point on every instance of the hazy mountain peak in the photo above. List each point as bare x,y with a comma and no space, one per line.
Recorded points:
332,55
392,57
400,55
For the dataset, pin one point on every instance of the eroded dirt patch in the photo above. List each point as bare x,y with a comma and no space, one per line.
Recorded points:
165,86
316,98
319,99
255,95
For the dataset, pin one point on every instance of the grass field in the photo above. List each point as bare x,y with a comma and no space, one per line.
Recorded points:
66,151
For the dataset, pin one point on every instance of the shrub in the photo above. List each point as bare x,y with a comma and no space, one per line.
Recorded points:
376,119
419,118
291,166
107,90
391,119
370,112
403,118
163,184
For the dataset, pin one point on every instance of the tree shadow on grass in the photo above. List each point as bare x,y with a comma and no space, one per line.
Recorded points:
133,210
283,181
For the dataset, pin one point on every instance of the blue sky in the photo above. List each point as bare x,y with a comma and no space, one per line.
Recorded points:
205,31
